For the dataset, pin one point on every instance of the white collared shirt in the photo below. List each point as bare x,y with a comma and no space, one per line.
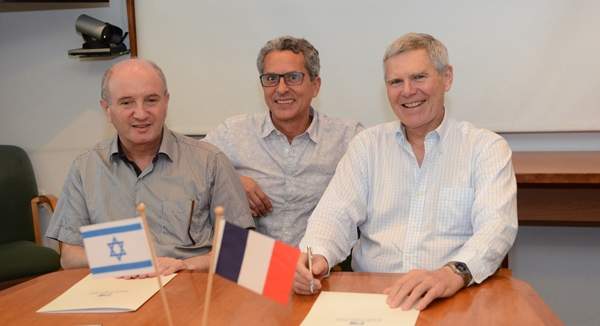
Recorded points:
459,205
294,175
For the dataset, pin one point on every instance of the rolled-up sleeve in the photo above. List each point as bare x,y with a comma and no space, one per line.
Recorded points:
494,213
71,211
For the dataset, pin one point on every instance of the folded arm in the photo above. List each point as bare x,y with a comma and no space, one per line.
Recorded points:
259,202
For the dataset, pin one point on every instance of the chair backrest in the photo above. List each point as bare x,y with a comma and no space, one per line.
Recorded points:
17,188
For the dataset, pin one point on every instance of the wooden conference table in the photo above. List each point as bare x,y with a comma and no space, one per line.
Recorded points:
501,300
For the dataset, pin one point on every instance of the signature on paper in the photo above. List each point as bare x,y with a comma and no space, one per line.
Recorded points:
106,293
358,321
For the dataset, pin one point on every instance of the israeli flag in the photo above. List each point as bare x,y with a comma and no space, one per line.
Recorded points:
117,248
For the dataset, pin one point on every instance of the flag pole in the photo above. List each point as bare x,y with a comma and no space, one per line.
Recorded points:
219,212
141,208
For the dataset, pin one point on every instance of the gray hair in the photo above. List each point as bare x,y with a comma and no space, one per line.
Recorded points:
104,92
438,54
296,45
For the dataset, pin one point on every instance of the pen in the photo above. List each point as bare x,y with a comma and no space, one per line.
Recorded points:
309,252
190,222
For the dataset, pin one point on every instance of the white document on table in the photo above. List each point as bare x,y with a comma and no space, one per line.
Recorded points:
93,295
365,309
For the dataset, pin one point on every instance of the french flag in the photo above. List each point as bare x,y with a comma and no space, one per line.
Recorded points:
255,261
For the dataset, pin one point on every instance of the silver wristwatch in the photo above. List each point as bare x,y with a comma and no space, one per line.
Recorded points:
461,270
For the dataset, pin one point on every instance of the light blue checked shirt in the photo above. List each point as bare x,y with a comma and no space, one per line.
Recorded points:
295,175
460,205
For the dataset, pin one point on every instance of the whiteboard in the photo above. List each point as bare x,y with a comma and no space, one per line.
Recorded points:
519,65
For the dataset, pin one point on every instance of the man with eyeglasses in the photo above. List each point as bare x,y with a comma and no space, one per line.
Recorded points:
286,155
179,179
434,198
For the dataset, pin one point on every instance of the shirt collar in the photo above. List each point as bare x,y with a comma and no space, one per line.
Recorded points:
442,129
313,128
114,146
266,126
439,133
167,146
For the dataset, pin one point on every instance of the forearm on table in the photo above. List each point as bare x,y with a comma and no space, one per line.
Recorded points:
198,263
72,256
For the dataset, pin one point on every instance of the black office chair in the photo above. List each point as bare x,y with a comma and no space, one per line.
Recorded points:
21,251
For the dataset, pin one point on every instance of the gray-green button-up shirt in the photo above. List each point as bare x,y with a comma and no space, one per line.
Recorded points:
101,187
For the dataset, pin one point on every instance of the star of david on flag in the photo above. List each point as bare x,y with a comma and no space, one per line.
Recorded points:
117,248
116,253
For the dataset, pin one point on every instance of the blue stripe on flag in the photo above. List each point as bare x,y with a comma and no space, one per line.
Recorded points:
232,250
115,229
121,267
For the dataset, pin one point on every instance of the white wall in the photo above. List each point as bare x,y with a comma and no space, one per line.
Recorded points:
519,65
49,106
49,102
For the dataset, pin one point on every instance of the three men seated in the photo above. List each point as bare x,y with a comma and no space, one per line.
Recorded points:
432,197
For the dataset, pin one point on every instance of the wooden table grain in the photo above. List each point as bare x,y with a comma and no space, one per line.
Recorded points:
501,300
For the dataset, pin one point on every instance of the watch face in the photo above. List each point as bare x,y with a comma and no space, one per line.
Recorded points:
462,267
462,270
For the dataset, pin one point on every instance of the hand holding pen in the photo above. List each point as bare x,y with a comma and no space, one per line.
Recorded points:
310,269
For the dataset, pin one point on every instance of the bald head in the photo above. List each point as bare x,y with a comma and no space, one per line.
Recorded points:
134,63
135,100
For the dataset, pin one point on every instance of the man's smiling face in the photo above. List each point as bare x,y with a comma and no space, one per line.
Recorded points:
289,103
416,90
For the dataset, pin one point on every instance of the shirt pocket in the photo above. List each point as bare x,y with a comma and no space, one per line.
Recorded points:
454,210
176,221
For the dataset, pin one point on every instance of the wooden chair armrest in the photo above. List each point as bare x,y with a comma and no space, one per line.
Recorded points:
49,200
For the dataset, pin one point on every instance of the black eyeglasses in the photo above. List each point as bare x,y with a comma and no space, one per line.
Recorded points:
292,78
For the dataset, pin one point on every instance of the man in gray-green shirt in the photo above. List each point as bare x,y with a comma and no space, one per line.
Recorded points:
179,179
